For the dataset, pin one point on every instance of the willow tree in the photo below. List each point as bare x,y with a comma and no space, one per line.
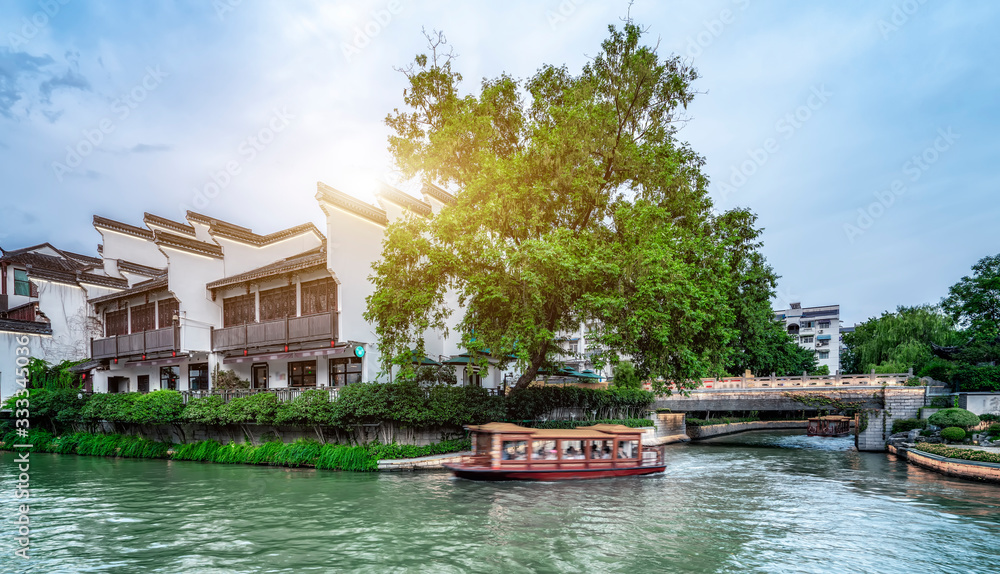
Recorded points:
576,202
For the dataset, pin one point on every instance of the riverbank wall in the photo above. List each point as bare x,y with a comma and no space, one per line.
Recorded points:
967,469
708,431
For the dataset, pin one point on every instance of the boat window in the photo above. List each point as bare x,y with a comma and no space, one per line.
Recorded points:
573,450
483,442
544,450
600,449
515,450
628,449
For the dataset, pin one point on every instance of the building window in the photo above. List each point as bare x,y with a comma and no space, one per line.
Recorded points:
277,303
319,296
824,354
21,284
824,324
473,378
116,323
807,324
168,377
239,310
166,310
143,382
345,371
198,377
143,317
808,339
302,374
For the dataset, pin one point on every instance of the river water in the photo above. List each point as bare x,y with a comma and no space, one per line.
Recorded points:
758,502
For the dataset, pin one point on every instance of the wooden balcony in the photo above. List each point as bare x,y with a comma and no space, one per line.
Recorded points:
305,329
141,343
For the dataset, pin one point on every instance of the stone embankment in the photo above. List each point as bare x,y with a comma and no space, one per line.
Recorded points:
708,431
904,445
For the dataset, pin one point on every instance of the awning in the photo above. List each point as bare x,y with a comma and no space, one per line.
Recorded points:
823,337
85,367
334,352
417,359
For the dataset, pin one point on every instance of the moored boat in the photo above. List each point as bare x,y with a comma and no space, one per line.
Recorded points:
505,451
830,425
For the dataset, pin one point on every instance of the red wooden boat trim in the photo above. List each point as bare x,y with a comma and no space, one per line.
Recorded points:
504,451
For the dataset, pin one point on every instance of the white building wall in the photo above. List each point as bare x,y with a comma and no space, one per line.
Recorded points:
9,345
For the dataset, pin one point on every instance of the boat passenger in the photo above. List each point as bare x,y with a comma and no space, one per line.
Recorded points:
606,453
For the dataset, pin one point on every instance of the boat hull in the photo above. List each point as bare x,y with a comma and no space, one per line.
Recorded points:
496,474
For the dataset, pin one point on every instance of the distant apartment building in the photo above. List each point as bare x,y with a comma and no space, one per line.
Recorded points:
816,329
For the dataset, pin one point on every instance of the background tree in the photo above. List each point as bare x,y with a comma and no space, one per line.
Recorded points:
577,202
625,376
974,303
896,342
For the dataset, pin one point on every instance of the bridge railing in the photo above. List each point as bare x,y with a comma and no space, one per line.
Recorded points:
866,380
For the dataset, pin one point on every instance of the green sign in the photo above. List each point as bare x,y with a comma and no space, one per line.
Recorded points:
359,351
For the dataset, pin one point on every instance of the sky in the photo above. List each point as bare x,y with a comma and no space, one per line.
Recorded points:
863,134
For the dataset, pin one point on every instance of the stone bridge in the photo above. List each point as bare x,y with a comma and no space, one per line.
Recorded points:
882,404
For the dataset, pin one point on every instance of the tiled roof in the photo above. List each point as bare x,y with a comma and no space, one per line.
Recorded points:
33,327
143,287
129,267
341,200
66,269
307,260
186,244
104,222
438,194
176,226
217,227
404,200
85,259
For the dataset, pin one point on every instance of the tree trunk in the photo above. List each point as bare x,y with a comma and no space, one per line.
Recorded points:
528,376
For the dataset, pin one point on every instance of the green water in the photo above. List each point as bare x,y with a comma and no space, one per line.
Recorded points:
757,502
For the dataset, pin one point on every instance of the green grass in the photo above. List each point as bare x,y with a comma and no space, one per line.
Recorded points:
303,452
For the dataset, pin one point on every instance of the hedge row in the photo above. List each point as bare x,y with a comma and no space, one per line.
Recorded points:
406,404
961,453
303,452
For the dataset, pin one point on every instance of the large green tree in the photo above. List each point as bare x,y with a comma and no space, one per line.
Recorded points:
896,342
974,303
576,202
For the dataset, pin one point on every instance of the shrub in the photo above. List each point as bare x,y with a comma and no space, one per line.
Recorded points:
937,369
913,382
206,410
112,407
906,425
158,407
993,431
258,408
227,380
954,417
625,376
960,453
313,407
973,378
989,418
952,434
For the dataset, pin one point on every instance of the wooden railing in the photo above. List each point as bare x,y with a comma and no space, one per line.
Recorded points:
141,343
284,395
319,327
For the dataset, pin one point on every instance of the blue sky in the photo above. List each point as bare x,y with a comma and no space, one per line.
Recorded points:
862,133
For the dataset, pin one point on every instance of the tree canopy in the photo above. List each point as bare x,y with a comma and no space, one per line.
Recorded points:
576,203
898,341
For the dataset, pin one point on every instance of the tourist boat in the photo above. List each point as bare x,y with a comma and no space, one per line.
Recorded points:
830,425
505,451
